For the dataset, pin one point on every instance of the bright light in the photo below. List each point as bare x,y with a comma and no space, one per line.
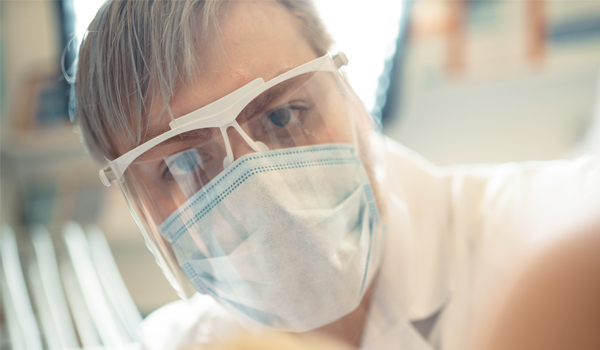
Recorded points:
366,32
85,11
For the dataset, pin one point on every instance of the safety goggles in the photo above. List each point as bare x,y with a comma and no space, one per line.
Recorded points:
305,106
244,103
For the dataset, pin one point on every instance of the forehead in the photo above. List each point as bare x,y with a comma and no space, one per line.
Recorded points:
257,39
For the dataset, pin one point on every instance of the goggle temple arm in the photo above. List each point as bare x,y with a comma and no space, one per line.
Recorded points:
107,176
340,59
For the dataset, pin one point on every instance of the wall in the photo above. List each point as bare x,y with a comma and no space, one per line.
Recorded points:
29,42
498,82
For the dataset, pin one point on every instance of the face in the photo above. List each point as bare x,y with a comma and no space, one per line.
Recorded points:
257,40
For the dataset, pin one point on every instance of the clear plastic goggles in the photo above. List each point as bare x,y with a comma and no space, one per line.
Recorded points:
306,106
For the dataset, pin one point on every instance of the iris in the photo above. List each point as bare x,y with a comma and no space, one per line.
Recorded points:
186,162
280,117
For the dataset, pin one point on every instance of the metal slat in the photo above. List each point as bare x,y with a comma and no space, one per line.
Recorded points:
17,289
114,286
51,284
109,327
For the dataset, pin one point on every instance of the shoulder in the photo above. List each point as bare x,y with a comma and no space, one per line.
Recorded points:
417,181
183,323
399,157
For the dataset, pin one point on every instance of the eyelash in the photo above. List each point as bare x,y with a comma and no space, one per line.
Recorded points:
166,172
289,105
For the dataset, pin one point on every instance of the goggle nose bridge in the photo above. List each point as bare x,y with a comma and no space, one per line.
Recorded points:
256,146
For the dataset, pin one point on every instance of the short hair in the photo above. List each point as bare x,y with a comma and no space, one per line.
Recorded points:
137,52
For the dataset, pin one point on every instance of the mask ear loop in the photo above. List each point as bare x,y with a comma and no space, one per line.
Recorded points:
353,121
256,146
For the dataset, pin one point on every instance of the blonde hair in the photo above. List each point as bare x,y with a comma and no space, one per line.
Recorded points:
138,53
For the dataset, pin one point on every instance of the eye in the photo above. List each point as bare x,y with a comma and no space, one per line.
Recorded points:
281,116
185,162
182,163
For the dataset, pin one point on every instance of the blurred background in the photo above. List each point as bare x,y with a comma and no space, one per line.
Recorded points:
458,81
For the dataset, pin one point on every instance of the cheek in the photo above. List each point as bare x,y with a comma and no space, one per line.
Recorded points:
166,205
336,114
157,201
337,121
350,123
372,152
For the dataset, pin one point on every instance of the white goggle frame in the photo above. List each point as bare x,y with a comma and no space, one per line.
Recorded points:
221,114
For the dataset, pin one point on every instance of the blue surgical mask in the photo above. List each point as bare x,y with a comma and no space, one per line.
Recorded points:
290,238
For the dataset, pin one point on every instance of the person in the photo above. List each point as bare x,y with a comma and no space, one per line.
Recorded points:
270,199
554,302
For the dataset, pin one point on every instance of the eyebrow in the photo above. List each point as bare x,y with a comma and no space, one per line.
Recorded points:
256,105
199,135
262,101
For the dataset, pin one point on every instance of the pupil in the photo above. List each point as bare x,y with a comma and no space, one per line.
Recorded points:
186,162
281,117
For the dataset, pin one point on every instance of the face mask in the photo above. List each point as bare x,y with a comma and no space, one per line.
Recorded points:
290,238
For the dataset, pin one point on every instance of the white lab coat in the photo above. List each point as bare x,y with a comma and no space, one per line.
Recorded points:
454,235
